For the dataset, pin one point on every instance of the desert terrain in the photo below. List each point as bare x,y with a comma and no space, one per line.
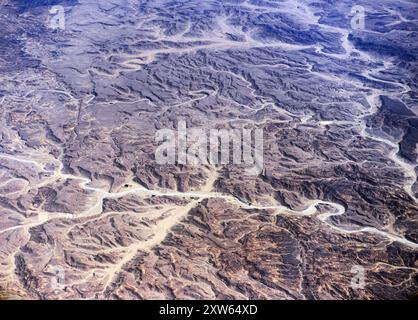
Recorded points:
86,212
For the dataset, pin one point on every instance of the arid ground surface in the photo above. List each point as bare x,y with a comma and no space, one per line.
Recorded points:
86,212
